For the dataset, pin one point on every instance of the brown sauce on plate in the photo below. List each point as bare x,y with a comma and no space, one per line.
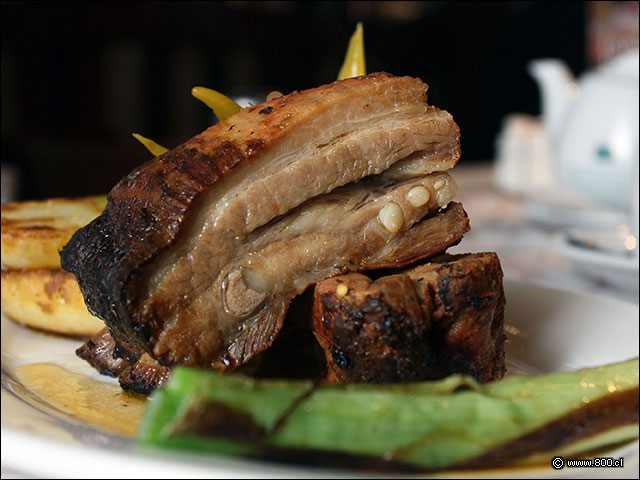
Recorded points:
103,405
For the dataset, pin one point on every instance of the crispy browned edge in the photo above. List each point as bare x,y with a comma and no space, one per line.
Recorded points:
147,208
144,376
99,351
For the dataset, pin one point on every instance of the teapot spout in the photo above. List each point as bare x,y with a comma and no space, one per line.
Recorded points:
558,89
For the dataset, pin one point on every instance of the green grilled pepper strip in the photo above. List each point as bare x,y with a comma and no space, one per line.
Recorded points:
430,425
222,106
354,61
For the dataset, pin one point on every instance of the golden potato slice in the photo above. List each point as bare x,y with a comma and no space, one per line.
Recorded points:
34,231
49,300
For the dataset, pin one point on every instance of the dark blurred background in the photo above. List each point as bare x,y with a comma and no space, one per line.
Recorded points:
79,78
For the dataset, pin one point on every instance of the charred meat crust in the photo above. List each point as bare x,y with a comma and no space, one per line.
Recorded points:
144,376
469,311
142,217
437,319
100,352
379,339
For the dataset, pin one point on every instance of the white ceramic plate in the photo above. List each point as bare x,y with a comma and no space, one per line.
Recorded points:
548,330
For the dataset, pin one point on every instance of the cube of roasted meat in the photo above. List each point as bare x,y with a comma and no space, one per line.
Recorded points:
425,323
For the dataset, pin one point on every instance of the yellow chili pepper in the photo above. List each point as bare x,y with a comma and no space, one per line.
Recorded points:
354,64
221,105
152,146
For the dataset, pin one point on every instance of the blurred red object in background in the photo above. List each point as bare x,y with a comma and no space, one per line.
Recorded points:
612,28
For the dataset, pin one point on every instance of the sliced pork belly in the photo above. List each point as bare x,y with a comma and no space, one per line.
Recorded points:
198,253
434,320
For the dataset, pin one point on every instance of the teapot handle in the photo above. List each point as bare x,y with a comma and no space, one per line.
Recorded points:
558,89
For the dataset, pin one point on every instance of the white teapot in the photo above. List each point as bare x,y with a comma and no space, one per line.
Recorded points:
593,125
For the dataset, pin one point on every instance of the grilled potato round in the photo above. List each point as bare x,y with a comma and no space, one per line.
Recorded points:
34,231
48,300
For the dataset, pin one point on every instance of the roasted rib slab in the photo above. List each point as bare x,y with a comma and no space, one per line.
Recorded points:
198,253
425,323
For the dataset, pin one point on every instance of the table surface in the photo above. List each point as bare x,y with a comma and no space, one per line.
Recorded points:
528,250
